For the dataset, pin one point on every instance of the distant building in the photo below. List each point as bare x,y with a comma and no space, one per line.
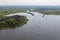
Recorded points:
30,10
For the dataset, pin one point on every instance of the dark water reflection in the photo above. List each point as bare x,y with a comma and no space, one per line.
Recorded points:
37,28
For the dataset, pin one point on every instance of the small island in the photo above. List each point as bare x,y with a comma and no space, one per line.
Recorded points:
12,22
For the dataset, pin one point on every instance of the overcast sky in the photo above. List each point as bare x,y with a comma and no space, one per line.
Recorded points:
29,2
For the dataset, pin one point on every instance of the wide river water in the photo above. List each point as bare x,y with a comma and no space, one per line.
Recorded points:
37,28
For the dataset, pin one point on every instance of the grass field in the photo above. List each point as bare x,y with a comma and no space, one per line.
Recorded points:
11,11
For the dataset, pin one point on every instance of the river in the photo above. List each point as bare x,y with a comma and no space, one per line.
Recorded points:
38,27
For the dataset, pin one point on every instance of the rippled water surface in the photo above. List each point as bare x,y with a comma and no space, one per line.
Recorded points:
38,27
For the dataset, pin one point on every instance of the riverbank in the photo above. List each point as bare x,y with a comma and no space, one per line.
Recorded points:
50,12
